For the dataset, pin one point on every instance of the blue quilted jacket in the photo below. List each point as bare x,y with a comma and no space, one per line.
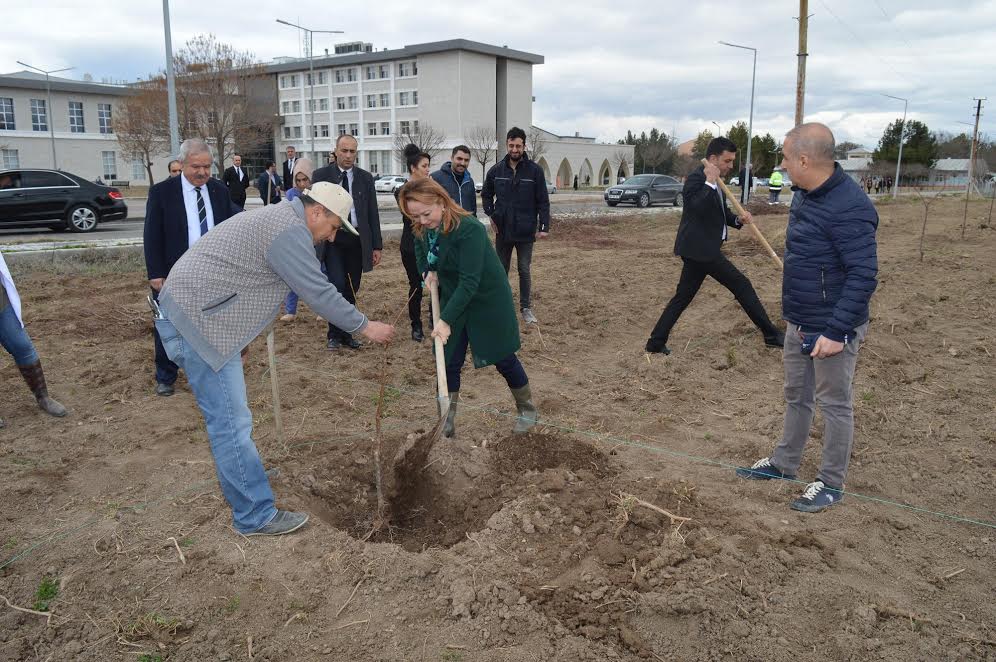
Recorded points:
831,260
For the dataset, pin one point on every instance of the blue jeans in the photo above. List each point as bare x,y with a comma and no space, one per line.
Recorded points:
290,303
510,367
15,339
221,397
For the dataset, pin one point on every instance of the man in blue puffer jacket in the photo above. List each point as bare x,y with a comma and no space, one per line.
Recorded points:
831,265
456,179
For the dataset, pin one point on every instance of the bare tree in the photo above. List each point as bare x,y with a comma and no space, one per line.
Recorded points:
483,144
141,125
222,97
535,143
619,157
927,202
423,135
653,154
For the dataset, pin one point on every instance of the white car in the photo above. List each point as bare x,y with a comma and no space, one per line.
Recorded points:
389,183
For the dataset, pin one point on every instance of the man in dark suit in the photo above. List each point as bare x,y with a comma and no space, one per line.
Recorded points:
701,233
289,168
179,211
237,181
269,184
346,258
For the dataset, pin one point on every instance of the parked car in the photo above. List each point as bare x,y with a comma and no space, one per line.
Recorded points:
645,190
57,199
389,183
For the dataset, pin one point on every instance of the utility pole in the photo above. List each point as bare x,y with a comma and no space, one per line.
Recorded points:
971,163
174,121
800,81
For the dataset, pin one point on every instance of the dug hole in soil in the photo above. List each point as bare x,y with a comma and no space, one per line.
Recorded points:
550,546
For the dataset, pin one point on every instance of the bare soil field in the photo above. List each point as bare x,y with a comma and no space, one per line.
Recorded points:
533,548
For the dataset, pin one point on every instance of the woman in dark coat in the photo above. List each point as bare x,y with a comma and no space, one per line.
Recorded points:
476,309
418,167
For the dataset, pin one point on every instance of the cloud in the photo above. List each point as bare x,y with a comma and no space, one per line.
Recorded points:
609,68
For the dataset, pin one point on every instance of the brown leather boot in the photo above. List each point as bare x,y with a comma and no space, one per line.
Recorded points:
35,378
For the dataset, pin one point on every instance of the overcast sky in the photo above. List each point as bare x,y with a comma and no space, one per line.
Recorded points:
609,67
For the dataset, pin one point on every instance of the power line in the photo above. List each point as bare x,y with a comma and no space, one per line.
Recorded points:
865,45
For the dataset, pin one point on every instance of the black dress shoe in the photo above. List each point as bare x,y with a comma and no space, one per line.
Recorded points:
351,342
417,334
657,349
777,340
333,344
164,390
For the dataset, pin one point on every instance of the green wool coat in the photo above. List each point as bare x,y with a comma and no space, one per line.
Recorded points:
473,292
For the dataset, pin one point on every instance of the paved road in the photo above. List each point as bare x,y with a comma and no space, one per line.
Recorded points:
563,205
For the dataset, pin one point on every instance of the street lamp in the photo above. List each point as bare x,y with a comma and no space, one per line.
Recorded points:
174,122
719,129
750,121
311,74
48,113
902,130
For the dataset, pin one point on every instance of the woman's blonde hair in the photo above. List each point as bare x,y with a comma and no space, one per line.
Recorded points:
428,191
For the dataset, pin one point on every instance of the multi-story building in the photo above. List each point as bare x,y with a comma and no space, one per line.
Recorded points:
449,87
80,119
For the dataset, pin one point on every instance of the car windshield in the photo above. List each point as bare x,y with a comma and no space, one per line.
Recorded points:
639,180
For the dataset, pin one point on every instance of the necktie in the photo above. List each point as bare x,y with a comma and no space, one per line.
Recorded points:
202,213
345,180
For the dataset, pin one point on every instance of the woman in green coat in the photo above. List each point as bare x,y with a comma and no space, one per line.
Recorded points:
476,309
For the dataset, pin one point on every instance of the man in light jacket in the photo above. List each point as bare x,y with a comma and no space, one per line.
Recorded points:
225,291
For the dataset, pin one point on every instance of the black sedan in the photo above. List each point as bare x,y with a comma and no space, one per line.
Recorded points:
57,199
645,190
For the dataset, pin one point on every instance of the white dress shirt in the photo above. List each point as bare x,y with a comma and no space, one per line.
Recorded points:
352,210
722,203
190,204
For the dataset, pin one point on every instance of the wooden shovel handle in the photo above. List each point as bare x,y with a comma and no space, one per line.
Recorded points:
441,386
740,212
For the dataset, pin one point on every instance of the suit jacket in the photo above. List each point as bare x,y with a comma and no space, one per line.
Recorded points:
365,204
263,182
236,187
289,172
700,233
165,233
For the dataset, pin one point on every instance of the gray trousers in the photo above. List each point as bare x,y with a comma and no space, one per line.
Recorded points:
827,382
524,259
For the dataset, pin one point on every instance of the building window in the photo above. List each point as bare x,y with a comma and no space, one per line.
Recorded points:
297,131
372,128
317,79
295,106
109,161
289,80
385,128
39,115
287,133
138,170
104,118
353,104
403,98
415,126
7,113
404,127
341,129
371,72
354,129
415,73
76,117
385,99
323,131
415,98
371,101
10,158
384,71
406,69
351,75
340,103
318,104
212,118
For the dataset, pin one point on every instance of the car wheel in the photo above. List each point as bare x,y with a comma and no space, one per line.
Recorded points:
679,200
81,218
644,200
612,204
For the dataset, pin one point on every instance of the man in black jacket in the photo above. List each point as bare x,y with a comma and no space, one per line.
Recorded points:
237,181
346,258
180,210
288,180
701,233
515,197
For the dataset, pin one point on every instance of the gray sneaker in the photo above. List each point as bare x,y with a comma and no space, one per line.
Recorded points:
283,522
528,317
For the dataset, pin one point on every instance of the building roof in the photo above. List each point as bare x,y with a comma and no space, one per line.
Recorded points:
408,52
553,136
961,165
858,150
29,80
